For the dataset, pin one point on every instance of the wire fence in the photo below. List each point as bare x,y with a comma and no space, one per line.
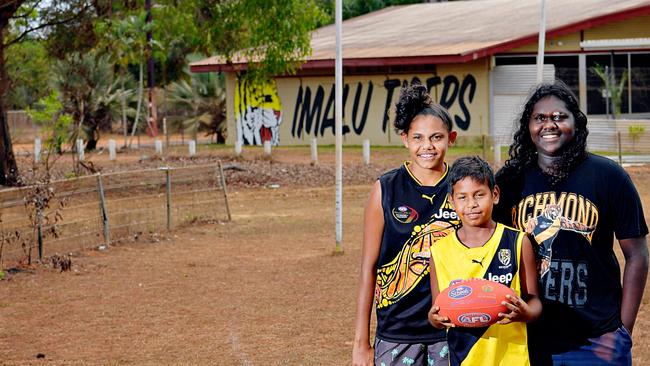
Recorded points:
86,212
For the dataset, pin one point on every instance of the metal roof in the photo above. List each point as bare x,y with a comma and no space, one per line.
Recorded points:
449,32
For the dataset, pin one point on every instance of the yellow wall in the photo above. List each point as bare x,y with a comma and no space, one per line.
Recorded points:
231,134
566,43
637,27
464,88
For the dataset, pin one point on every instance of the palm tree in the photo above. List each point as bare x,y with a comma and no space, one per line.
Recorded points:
203,100
614,89
91,94
126,42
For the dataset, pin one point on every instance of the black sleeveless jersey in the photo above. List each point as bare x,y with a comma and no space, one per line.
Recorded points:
415,217
573,226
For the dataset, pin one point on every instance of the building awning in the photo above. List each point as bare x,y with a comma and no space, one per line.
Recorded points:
616,44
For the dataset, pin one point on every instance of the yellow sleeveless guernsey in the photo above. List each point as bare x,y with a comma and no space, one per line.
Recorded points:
498,260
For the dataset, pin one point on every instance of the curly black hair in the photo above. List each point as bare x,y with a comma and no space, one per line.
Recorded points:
523,153
414,100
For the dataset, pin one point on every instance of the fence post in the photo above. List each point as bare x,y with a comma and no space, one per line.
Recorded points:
497,151
159,147
112,146
37,150
267,148
484,146
366,152
314,151
165,132
192,147
80,149
238,148
102,209
620,153
168,184
225,192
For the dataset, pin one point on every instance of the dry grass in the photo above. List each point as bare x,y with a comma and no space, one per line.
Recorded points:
264,289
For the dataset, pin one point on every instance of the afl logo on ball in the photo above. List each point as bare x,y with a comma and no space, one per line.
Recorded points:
460,292
474,318
405,214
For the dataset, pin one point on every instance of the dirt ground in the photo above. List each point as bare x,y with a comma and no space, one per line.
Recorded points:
263,289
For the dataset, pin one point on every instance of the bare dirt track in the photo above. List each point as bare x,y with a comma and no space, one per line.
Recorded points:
264,289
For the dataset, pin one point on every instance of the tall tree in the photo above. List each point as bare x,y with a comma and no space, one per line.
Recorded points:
125,40
29,71
90,92
205,100
18,19
273,35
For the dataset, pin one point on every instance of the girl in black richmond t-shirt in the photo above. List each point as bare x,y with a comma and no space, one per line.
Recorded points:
572,203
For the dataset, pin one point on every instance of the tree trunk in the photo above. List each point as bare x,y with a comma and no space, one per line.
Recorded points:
124,124
221,139
91,145
140,96
8,167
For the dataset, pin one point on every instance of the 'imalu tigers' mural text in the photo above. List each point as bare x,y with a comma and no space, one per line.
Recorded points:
297,109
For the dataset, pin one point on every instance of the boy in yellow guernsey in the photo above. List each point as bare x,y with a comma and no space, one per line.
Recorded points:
482,248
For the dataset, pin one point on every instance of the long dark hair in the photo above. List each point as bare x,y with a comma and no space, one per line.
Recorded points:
523,153
414,100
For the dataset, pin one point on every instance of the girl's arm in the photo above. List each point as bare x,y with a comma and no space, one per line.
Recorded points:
373,228
439,322
635,251
528,307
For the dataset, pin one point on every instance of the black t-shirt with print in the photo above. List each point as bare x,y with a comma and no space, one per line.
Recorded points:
573,226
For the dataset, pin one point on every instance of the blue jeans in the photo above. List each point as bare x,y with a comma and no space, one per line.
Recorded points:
613,348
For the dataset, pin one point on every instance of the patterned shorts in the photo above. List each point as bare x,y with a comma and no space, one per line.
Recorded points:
418,354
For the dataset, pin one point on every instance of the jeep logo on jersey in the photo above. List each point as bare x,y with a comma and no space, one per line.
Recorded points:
445,214
474,318
405,214
503,279
460,292
504,257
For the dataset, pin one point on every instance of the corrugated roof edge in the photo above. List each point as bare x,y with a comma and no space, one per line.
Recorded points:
205,66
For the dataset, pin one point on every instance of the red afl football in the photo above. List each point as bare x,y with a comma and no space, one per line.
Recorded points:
473,303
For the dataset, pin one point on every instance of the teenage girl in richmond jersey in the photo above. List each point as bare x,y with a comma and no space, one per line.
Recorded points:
406,213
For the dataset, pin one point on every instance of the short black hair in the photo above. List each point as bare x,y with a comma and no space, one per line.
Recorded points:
414,100
473,167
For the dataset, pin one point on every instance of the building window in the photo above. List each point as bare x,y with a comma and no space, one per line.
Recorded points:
640,78
596,88
566,66
566,69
